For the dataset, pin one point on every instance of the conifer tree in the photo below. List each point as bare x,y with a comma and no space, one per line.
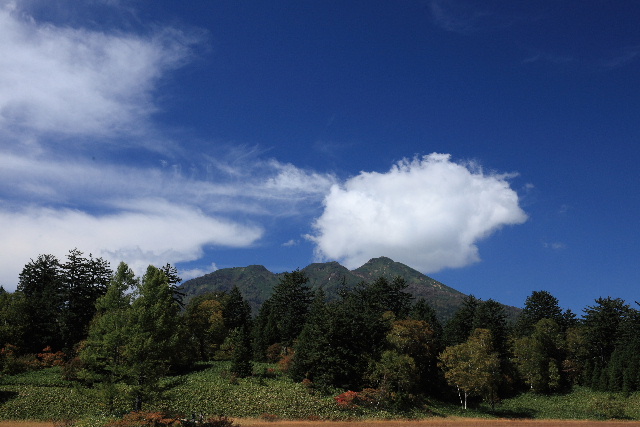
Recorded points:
154,335
241,364
603,329
539,305
41,286
312,359
103,352
289,305
84,280
458,329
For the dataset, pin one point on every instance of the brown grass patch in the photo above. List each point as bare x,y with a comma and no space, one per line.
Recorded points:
437,422
26,424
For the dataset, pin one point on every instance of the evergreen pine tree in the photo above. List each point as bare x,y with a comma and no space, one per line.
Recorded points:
153,335
241,364
458,329
311,359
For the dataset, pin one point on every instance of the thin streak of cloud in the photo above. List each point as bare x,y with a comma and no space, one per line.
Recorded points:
556,246
626,56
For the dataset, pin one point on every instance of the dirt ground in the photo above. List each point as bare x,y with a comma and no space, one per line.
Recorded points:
434,422
446,422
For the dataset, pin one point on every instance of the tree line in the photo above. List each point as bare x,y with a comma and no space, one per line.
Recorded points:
110,328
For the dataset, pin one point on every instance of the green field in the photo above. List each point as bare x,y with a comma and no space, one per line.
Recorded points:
44,395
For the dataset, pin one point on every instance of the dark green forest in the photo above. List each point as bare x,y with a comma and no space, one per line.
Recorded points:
375,341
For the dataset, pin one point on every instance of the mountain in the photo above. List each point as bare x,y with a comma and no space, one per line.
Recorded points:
255,283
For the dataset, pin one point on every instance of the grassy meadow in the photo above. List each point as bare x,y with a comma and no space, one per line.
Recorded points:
270,396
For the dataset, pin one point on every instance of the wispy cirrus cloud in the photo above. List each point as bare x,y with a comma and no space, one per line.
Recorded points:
66,91
622,57
78,82
116,211
463,17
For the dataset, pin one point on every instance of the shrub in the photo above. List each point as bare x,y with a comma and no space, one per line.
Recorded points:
219,421
71,369
269,417
11,363
273,353
144,419
347,400
286,361
48,358
608,407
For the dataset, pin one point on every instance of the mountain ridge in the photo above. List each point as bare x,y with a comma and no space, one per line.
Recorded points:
256,283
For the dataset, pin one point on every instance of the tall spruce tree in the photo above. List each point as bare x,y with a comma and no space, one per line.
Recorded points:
539,305
602,330
154,335
84,281
491,315
458,329
236,311
313,359
289,305
241,364
41,285
103,353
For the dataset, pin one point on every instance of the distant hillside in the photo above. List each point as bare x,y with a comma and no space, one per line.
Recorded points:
255,283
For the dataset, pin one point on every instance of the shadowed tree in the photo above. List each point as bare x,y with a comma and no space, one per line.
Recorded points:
41,285
602,330
84,280
459,327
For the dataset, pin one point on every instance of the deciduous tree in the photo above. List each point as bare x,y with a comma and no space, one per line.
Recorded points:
473,367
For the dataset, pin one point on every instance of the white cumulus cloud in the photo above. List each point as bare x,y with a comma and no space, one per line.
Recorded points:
428,213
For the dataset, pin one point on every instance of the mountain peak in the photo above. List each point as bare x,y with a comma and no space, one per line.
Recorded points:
256,283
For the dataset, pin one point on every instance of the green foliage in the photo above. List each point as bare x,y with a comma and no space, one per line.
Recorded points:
603,330
473,367
103,353
290,303
241,364
415,359
312,359
395,372
256,283
153,335
422,310
45,395
204,319
539,305
490,315
41,288
84,280
459,327
539,356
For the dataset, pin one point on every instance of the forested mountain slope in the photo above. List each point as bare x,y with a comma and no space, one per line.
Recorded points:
255,283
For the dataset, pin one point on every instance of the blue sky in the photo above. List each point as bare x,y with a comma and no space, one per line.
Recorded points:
492,145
